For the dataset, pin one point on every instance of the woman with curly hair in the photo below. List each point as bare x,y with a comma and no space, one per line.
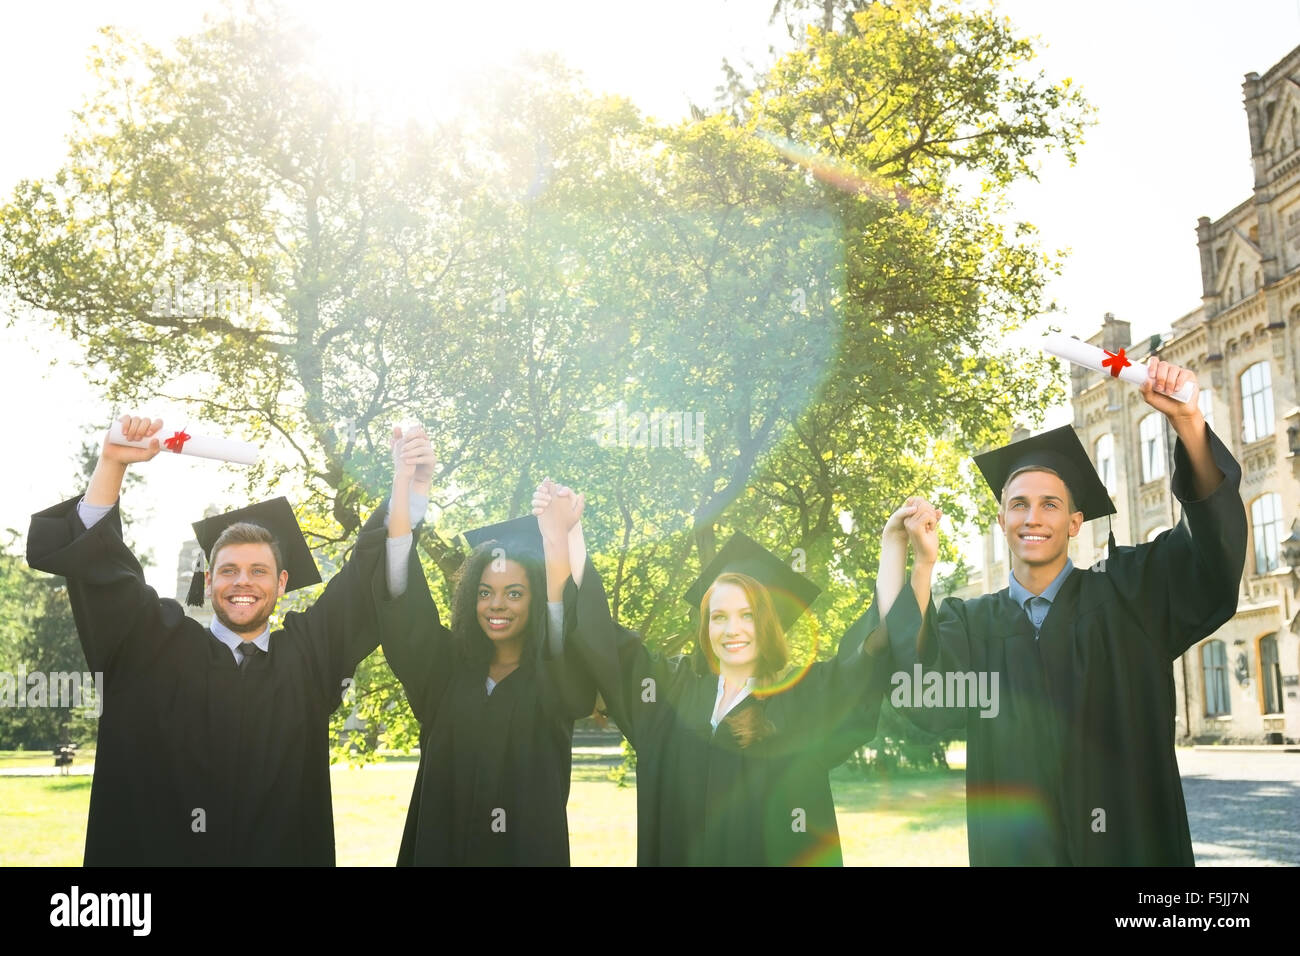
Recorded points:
495,694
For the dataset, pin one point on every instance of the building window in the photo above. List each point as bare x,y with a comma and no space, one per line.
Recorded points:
1266,526
1256,402
1157,531
1152,447
1205,400
1214,668
1270,675
1105,455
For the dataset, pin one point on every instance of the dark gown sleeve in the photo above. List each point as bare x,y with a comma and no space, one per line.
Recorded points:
118,615
854,687
947,643
417,645
338,631
1184,584
566,672
623,670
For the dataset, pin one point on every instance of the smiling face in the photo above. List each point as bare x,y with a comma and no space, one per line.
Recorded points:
1035,516
504,601
244,586
732,633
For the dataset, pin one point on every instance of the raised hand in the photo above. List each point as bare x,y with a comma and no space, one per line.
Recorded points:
1163,380
413,457
894,528
106,482
557,508
922,528
134,428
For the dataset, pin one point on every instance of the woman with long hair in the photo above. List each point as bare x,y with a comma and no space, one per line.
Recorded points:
733,748
495,694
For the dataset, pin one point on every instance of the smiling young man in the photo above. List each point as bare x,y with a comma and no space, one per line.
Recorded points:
213,743
1076,765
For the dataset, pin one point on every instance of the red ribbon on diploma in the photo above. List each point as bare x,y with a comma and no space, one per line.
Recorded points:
178,440
1114,361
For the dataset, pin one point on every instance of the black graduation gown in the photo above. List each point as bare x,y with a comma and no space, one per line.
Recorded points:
1078,766
702,799
493,779
198,761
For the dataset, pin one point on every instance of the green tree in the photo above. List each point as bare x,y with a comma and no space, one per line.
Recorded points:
37,637
816,280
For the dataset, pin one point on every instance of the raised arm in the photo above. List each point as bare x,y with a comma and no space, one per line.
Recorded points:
342,627
559,513
916,523
81,539
110,470
915,631
632,681
1184,584
417,645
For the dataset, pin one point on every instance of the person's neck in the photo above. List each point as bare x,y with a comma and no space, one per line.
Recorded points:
1035,578
735,677
507,653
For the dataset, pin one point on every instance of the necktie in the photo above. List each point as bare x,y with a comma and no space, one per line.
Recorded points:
248,650
1037,607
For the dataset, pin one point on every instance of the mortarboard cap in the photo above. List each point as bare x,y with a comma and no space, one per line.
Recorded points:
517,536
791,592
276,516
1062,452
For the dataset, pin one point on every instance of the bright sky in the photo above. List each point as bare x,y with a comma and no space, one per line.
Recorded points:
1171,145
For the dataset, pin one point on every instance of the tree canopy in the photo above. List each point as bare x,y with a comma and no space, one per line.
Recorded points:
779,318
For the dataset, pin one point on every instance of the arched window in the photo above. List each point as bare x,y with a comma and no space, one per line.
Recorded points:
1270,673
1256,402
1266,526
1214,668
1152,445
1104,452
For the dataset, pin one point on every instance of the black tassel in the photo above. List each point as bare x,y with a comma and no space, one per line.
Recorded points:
1110,538
196,595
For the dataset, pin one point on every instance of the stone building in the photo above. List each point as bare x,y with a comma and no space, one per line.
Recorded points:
1243,343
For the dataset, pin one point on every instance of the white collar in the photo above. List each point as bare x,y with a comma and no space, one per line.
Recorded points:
717,718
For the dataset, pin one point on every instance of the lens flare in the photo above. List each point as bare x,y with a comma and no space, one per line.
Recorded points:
840,175
1020,814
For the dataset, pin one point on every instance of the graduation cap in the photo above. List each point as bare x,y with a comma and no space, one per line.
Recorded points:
517,536
791,592
276,516
1062,452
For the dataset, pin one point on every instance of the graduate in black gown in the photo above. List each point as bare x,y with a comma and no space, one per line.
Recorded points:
1074,764
733,752
211,749
496,694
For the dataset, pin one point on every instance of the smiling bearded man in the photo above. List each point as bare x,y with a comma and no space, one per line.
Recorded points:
213,745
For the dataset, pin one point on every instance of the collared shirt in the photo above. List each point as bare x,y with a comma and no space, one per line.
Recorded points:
1037,605
717,701
232,640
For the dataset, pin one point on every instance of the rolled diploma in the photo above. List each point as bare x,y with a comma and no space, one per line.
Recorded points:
218,449
1089,356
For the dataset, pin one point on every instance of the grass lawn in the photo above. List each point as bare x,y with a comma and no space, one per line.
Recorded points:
914,820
